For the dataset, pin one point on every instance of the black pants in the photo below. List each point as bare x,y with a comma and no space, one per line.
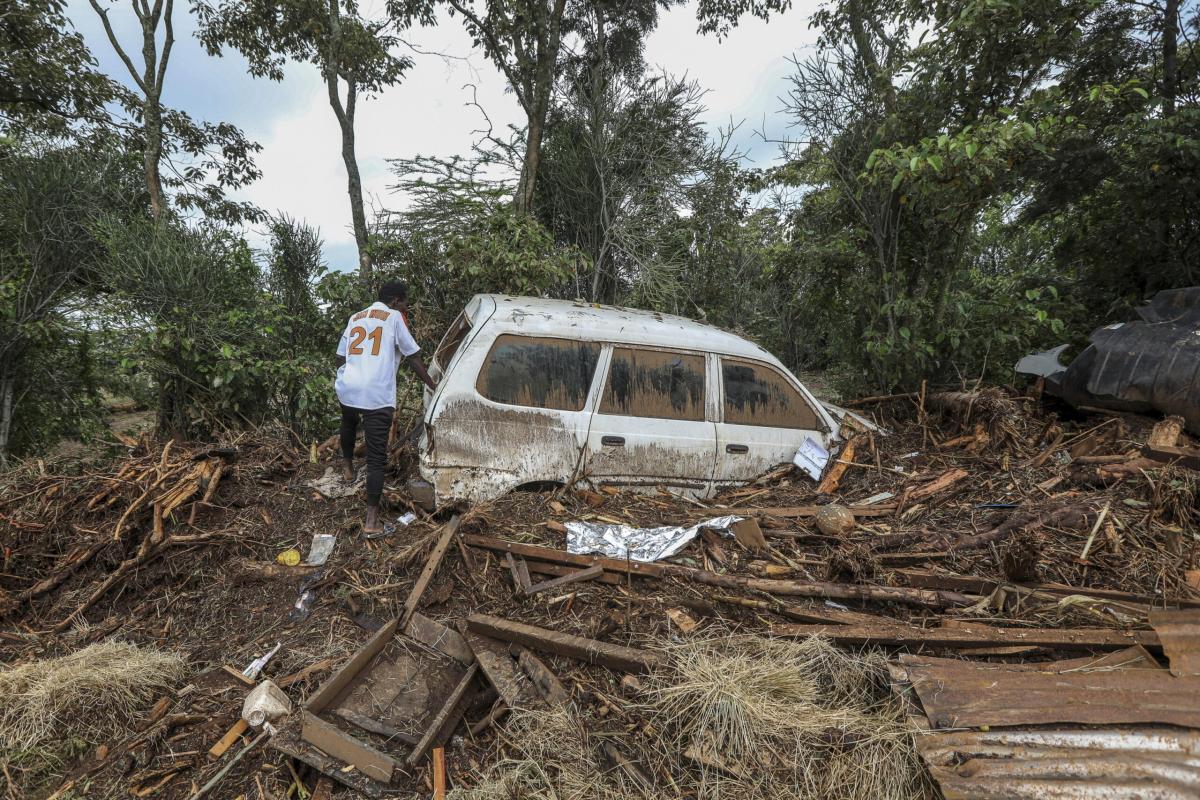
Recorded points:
376,424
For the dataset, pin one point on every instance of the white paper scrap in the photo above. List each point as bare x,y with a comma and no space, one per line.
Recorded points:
811,458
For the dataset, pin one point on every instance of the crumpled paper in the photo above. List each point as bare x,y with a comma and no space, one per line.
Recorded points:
637,544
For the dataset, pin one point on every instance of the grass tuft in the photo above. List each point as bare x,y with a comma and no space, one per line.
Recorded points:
84,695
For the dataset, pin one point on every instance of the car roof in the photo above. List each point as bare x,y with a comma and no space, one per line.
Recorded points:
537,316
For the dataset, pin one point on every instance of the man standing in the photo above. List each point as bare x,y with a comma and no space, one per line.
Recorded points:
366,384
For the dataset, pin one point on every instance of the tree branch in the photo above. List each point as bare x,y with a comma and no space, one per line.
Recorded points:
112,38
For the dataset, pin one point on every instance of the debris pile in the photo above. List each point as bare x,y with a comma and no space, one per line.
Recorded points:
516,650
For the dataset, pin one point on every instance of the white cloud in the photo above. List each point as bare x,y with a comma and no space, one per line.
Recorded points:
429,113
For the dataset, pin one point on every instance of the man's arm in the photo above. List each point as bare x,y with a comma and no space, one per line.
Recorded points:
418,366
338,361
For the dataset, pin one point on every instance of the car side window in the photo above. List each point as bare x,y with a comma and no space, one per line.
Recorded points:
756,394
538,372
653,383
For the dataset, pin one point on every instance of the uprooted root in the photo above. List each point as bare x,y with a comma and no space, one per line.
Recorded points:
84,695
734,716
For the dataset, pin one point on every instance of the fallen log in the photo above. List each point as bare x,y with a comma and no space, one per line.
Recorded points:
975,636
825,589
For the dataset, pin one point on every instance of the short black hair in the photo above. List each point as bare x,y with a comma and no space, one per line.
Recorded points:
393,290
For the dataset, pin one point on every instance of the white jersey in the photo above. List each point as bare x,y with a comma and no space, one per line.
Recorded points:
370,344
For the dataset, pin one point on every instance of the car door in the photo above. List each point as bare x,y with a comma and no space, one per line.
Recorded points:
652,425
765,417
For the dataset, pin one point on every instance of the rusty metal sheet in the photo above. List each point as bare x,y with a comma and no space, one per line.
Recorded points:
1042,764
957,694
1179,633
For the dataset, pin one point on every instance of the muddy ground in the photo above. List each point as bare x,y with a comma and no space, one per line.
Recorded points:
197,598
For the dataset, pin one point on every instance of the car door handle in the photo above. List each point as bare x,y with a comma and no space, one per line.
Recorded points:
612,441
736,448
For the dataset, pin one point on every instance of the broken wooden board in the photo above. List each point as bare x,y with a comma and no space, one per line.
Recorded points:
957,694
445,640
288,741
446,719
431,565
544,680
559,570
1179,633
589,650
396,680
1179,456
501,671
910,636
576,576
329,739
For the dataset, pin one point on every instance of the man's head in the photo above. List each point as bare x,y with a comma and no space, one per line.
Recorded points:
394,294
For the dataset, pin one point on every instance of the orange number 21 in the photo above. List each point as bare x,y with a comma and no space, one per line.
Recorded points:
356,339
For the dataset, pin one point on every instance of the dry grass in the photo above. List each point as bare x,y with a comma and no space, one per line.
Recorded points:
734,717
85,695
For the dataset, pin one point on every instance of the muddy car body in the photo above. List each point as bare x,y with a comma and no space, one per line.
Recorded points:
535,391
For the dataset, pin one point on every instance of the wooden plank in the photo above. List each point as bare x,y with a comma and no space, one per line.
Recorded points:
225,742
431,565
968,694
827,589
544,680
791,512
1180,456
909,636
982,586
340,745
501,671
446,719
587,574
439,773
1179,632
375,726
557,570
590,650
289,742
833,478
1134,657
445,640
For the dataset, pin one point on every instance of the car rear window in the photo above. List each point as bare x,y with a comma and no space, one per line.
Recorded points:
455,334
653,383
538,372
759,395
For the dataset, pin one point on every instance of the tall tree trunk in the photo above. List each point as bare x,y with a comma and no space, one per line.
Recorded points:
1170,39
529,166
358,213
152,156
150,81
345,118
7,387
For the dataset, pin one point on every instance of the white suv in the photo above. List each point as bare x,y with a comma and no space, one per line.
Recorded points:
535,391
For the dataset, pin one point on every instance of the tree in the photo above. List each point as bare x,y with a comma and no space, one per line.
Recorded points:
149,80
622,154
348,49
523,39
48,79
50,202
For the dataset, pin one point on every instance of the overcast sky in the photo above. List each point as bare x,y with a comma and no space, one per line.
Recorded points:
745,76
